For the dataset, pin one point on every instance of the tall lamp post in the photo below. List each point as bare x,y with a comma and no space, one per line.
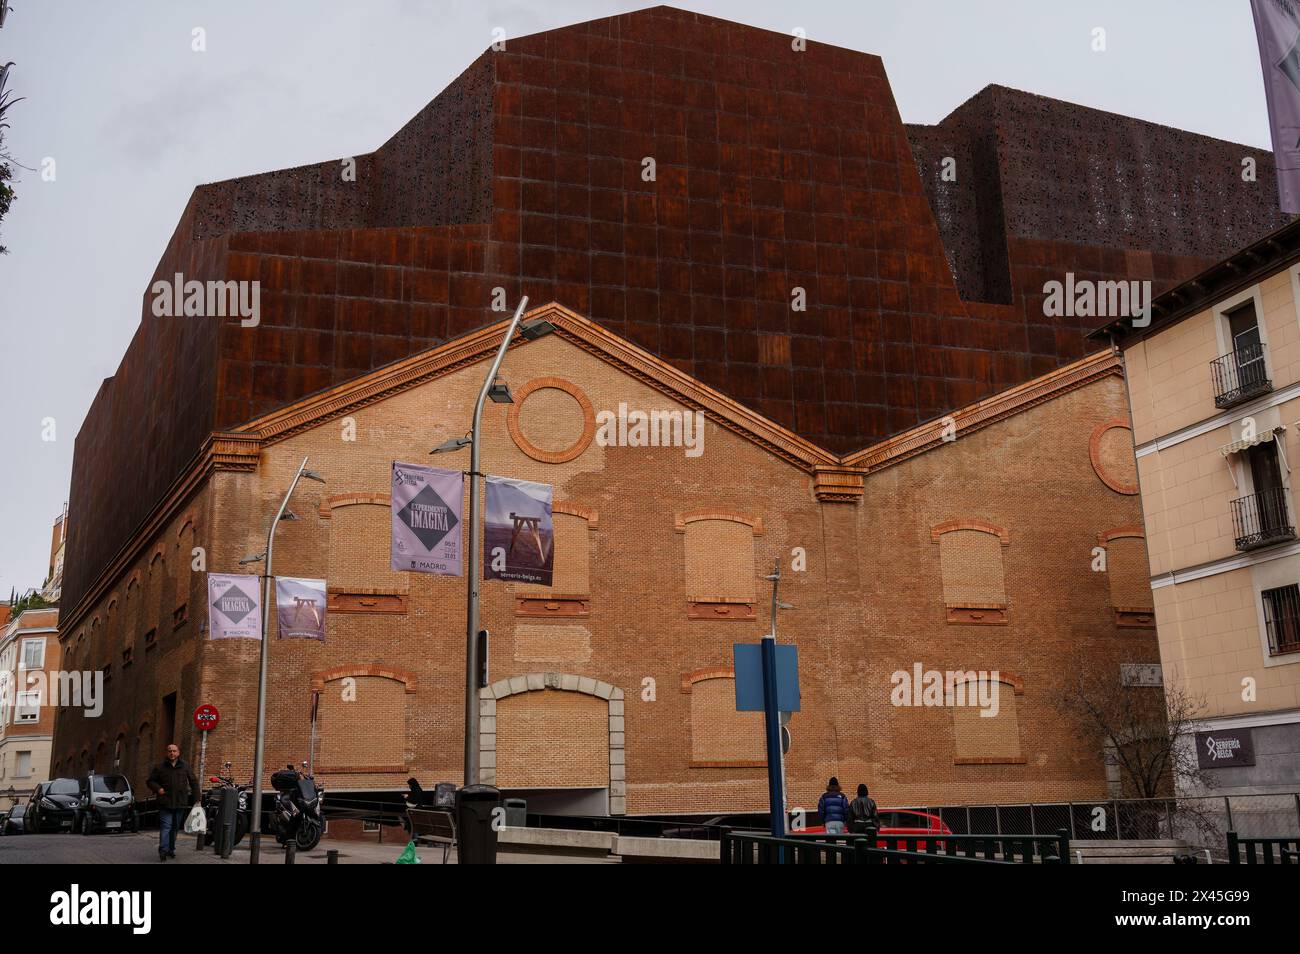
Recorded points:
284,513
500,394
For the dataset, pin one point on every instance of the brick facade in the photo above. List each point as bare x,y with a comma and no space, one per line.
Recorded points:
870,600
776,170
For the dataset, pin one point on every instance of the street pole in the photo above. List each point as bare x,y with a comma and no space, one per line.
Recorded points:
255,824
779,798
474,560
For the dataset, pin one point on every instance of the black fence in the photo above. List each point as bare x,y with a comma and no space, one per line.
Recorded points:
1263,851
752,848
1053,849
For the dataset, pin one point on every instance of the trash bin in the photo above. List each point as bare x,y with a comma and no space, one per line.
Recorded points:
476,833
516,813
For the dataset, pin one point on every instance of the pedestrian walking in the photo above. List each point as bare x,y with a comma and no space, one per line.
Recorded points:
833,807
176,790
863,813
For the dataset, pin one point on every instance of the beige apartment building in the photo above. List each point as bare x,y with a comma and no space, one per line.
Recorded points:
29,652
1214,388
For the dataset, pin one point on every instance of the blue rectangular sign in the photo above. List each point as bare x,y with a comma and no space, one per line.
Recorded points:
749,677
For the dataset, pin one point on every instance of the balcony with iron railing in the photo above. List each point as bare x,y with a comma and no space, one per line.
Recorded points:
1262,519
1240,375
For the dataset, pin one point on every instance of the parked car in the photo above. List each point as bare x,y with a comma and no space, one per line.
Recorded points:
106,803
53,806
11,822
904,823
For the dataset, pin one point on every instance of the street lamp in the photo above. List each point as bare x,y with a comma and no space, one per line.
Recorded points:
255,824
500,393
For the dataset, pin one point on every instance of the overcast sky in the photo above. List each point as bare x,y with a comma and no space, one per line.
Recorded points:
134,119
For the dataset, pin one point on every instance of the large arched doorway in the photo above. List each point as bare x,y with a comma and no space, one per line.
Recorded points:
557,740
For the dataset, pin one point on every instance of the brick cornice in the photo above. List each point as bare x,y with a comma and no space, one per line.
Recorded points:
1000,406
839,483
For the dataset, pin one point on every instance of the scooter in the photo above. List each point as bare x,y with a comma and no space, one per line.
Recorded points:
297,815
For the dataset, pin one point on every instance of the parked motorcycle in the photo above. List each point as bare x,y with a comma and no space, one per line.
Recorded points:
297,815
211,802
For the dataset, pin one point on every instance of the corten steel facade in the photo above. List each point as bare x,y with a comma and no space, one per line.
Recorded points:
775,169
612,689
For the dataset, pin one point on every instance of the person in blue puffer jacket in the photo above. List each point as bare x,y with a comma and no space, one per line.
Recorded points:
833,807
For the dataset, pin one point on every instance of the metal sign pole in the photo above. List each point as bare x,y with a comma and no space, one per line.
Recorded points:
772,723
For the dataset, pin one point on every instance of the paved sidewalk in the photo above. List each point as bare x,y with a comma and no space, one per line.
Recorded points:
142,848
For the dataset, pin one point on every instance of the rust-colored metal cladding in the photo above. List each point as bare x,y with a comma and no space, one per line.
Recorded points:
756,215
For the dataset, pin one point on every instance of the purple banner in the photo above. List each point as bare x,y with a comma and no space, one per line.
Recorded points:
234,606
427,504
1277,27
300,608
518,536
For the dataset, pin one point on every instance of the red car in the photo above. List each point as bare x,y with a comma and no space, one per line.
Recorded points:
900,822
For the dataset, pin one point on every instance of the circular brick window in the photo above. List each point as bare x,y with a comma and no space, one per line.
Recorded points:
552,420
1111,450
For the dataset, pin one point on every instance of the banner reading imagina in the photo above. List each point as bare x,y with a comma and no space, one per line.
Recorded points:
300,608
426,511
234,606
518,536
1277,27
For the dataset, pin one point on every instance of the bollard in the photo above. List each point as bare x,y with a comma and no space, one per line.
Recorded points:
332,856
290,851
199,843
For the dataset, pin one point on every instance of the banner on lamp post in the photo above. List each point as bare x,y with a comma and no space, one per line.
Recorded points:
300,608
426,511
518,534
234,606
1277,28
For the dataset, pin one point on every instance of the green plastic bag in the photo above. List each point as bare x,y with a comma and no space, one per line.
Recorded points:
408,855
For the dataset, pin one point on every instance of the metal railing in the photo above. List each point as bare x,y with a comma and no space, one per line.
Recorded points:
1051,849
1261,519
1260,851
1240,375
752,848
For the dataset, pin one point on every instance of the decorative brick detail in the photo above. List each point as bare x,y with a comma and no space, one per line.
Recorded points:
1017,683
754,523
408,679
719,609
1111,480
1128,530
235,452
1130,617
699,675
359,601
990,615
335,501
576,510
553,606
939,529
834,484
588,421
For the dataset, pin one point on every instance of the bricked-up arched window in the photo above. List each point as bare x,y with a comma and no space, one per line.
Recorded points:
1128,575
362,724
570,591
970,561
721,736
719,562
360,576
985,734
550,738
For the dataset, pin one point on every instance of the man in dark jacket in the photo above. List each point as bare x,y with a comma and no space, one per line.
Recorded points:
176,789
833,807
863,812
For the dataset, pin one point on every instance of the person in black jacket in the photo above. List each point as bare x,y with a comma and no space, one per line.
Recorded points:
176,789
862,812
